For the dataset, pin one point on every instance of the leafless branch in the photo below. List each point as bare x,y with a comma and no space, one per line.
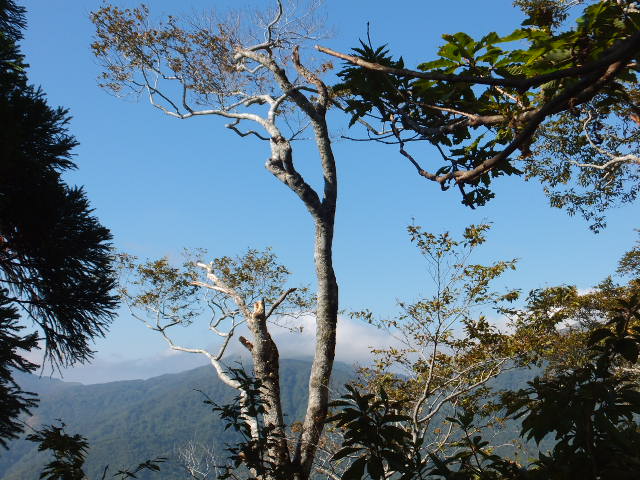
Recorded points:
435,408
422,172
278,302
200,461
630,159
614,159
234,126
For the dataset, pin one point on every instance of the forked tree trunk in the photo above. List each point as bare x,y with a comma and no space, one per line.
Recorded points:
131,61
327,308
323,214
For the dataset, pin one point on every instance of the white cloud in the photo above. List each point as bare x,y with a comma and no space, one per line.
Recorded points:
354,342
112,368
586,291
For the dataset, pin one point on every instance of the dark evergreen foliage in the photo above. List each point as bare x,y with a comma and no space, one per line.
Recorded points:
54,254
69,454
592,410
14,400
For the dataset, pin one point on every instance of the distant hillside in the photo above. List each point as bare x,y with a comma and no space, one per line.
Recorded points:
130,421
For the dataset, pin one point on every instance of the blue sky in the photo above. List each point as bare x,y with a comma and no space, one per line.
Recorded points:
162,184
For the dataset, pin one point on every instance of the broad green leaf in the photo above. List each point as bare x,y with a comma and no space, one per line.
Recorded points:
450,51
440,63
598,335
628,348
343,452
355,470
518,34
375,468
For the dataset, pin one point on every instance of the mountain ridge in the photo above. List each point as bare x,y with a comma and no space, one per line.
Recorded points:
130,421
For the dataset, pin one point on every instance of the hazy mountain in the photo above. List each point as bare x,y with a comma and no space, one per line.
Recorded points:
130,421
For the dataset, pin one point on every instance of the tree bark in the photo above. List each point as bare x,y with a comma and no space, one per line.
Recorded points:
327,304
148,65
266,368
326,322
323,214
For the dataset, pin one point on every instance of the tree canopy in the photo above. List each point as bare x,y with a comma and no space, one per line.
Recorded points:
551,100
246,71
586,402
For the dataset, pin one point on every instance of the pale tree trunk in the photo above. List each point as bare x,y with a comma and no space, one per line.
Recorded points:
235,69
327,309
323,214
266,369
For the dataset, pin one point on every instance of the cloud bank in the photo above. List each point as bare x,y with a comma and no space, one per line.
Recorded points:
354,342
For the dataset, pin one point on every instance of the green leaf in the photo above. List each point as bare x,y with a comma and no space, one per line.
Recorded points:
343,452
395,418
440,63
489,39
450,51
375,469
355,470
598,335
340,403
628,348
518,34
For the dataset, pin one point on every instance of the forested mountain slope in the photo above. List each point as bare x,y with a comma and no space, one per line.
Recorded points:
128,422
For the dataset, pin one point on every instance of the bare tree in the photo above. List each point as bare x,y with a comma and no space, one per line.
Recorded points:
246,72
247,290
199,461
